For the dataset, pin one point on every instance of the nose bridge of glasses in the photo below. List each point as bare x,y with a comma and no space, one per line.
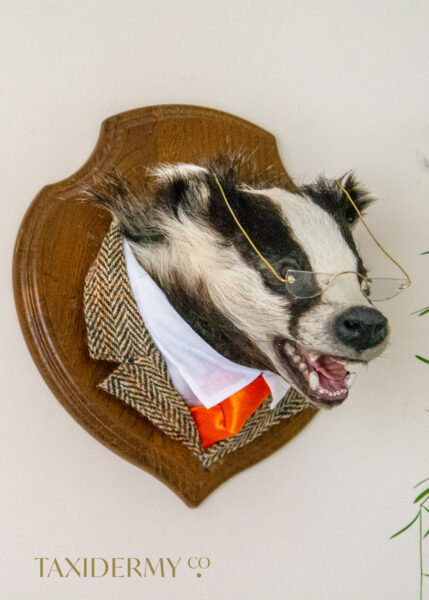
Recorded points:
344,287
331,278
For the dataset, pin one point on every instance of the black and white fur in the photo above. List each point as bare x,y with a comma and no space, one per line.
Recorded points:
184,236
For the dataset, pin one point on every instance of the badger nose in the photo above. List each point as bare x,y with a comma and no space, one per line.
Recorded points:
361,327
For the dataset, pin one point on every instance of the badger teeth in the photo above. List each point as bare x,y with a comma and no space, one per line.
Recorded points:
290,349
313,381
350,379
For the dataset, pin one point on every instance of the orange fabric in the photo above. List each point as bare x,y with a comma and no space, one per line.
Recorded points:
227,418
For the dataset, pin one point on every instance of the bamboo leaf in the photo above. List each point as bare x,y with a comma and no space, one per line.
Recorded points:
425,360
425,574
426,509
421,496
426,534
424,311
427,252
406,527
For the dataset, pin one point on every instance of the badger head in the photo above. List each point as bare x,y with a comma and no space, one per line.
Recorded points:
185,237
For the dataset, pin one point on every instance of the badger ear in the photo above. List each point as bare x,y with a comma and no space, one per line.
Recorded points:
133,211
357,193
180,186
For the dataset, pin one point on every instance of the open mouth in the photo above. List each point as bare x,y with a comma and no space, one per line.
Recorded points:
323,378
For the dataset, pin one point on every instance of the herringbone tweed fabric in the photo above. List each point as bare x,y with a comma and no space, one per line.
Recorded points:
116,332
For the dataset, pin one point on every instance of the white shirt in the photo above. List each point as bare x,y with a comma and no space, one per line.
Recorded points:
200,374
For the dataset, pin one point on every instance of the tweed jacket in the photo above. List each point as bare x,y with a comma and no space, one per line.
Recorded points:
116,332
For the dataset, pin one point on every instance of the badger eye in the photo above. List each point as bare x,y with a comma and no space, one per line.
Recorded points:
285,271
290,265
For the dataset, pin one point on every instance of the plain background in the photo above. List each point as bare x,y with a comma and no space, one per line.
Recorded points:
341,85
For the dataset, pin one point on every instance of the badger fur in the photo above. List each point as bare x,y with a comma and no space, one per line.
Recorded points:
184,236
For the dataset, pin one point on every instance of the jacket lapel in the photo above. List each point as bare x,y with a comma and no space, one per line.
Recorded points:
116,332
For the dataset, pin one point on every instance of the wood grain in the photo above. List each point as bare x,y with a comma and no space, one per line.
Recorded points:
56,244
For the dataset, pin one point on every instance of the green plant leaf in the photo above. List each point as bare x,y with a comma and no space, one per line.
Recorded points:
419,310
424,311
406,527
425,360
426,509
421,496
426,534
427,252
425,574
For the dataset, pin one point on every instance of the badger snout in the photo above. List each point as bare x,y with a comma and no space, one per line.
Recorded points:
361,328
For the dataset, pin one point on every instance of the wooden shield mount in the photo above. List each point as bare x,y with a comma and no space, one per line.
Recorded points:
59,239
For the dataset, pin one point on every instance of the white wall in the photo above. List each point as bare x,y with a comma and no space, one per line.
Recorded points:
342,85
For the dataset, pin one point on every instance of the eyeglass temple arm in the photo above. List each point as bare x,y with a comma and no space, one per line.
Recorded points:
403,286
244,232
291,279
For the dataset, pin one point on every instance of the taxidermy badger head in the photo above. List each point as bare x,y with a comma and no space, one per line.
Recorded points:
185,237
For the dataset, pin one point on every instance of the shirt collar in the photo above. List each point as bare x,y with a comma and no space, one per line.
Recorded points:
200,373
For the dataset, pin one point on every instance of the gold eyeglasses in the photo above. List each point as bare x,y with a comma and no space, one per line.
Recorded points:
307,284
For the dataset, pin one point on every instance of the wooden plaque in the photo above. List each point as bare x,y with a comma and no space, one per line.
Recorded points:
59,239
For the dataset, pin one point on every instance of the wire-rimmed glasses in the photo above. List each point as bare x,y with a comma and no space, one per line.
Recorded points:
307,284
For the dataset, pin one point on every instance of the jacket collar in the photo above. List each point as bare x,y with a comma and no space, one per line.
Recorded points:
116,333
